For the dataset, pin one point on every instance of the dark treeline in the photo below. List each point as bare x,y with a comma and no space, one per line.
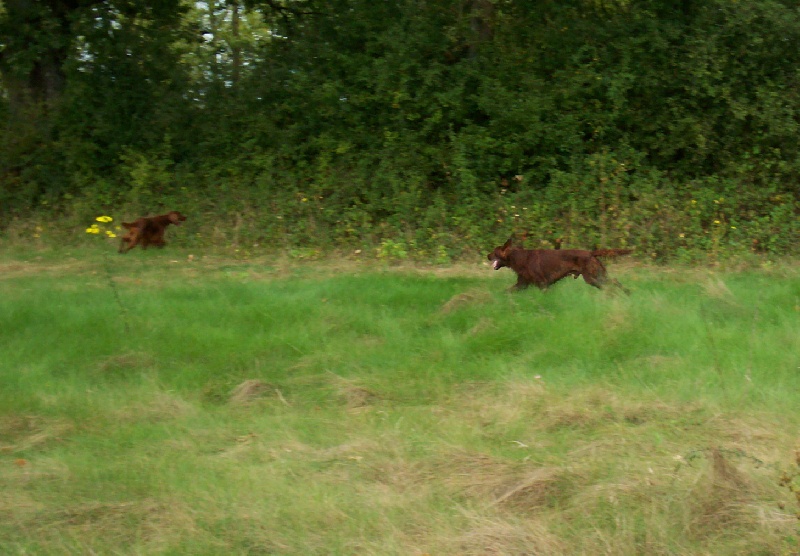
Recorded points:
421,127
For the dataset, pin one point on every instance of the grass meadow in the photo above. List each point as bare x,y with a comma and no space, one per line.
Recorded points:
162,403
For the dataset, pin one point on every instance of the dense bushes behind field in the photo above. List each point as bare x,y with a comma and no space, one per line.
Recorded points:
414,129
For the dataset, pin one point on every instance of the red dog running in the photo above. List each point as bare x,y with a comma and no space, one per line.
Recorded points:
544,267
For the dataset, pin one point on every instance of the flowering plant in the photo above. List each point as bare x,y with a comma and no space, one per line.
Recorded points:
98,229
104,228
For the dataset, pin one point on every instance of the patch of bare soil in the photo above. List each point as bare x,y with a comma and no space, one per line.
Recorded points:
19,269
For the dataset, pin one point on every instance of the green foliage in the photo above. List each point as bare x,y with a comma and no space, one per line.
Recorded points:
438,126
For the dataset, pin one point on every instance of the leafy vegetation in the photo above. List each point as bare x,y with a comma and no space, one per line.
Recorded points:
199,404
426,128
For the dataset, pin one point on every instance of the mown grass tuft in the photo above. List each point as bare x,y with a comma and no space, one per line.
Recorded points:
264,407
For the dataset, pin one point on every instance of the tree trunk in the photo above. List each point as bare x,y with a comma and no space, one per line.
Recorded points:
37,32
482,23
235,44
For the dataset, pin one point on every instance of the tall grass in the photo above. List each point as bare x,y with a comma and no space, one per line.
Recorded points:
275,408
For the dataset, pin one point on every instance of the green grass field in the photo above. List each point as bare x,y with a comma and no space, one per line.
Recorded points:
161,404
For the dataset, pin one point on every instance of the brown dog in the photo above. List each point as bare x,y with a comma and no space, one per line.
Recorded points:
544,267
148,230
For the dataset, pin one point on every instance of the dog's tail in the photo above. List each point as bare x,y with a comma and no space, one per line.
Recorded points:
128,225
611,252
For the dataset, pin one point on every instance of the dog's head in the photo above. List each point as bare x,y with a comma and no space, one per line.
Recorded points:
176,217
499,257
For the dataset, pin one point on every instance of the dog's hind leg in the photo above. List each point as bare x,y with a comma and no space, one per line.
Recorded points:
624,290
594,273
605,279
593,281
602,280
595,276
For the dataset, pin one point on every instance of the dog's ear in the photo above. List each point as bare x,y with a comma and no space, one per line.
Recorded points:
508,242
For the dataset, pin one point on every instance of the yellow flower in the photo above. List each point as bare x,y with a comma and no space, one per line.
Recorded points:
104,219
92,230
716,221
109,233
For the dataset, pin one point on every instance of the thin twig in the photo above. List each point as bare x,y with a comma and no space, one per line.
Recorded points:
123,310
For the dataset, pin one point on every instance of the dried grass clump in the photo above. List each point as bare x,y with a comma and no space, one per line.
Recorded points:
535,490
594,407
471,297
149,521
154,408
716,288
506,485
125,362
487,537
587,408
356,397
399,474
474,474
248,391
618,318
356,450
353,395
24,432
720,499
482,325
660,362
501,404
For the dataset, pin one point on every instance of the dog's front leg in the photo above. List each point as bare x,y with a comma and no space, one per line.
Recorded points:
520,285
125,245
